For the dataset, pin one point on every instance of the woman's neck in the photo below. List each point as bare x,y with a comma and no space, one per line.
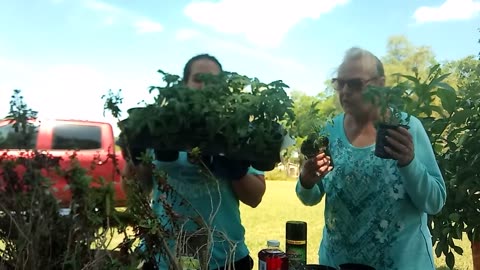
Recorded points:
360,131
360,121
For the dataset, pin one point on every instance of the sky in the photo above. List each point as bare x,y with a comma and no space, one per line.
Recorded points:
65,54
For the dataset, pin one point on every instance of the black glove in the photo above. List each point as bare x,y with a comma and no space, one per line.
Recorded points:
135,153
165,155
225,168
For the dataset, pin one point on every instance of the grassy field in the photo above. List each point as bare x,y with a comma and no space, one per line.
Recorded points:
280,205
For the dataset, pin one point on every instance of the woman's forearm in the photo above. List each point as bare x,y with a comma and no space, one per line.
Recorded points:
250,189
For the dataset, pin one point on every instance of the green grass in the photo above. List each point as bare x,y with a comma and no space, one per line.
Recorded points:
280,204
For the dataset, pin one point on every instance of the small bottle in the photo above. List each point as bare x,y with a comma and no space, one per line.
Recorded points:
296,244
272,258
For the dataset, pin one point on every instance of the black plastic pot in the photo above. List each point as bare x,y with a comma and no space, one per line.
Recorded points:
165,155
318,267
381,140
354,266
264,166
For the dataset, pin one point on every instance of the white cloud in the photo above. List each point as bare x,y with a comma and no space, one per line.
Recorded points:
102,6
266,64
113,14
448,11
186,34
148,26
262,22
214,42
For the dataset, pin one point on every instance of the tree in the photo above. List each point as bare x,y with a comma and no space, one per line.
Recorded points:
460,163
463,72
403,57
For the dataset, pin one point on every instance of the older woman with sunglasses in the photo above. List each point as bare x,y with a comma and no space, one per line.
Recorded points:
376,209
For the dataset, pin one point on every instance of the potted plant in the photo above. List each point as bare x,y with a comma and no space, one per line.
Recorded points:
316,140
389,101
315,144
232,115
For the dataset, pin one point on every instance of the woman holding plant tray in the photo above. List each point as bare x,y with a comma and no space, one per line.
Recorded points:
215,202
376,208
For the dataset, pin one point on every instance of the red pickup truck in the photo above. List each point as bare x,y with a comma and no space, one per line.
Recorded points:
94,141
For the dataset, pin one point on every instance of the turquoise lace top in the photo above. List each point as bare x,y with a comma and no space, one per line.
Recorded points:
376,212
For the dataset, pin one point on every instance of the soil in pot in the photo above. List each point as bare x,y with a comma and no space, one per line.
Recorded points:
381,140
315,145
354,266
318,267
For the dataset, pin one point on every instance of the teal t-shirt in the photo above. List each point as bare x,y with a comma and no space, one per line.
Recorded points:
375,212
212,200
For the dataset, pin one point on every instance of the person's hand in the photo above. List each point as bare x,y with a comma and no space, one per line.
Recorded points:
315,169
230,169
128,151
400,146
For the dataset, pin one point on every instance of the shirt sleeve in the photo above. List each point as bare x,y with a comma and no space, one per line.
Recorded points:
310,196
254,171
422,178
315,195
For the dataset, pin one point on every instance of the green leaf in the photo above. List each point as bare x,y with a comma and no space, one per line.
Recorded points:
438,80
448,99
410,78
454,217
458,250
461,117
450,260
438,126
439,248
446,86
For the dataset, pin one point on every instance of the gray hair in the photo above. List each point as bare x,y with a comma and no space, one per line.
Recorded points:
369,60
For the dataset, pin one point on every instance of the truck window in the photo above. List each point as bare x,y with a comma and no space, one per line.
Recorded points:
76,137
10,139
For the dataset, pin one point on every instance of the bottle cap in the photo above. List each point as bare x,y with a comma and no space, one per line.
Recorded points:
296,230
273,243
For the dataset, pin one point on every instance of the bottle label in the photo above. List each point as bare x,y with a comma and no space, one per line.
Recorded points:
297,256
297,242
262,265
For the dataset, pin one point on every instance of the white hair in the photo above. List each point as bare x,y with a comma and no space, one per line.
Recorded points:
369,60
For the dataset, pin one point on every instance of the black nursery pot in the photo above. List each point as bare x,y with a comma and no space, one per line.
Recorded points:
354,266
165,156
264,166
381,140
318,267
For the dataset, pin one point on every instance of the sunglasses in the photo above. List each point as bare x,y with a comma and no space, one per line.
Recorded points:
352,84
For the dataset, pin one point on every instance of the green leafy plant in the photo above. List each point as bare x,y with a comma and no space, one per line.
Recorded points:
453,129
451,119
316,140
234,115
390,102
34,233
164,233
